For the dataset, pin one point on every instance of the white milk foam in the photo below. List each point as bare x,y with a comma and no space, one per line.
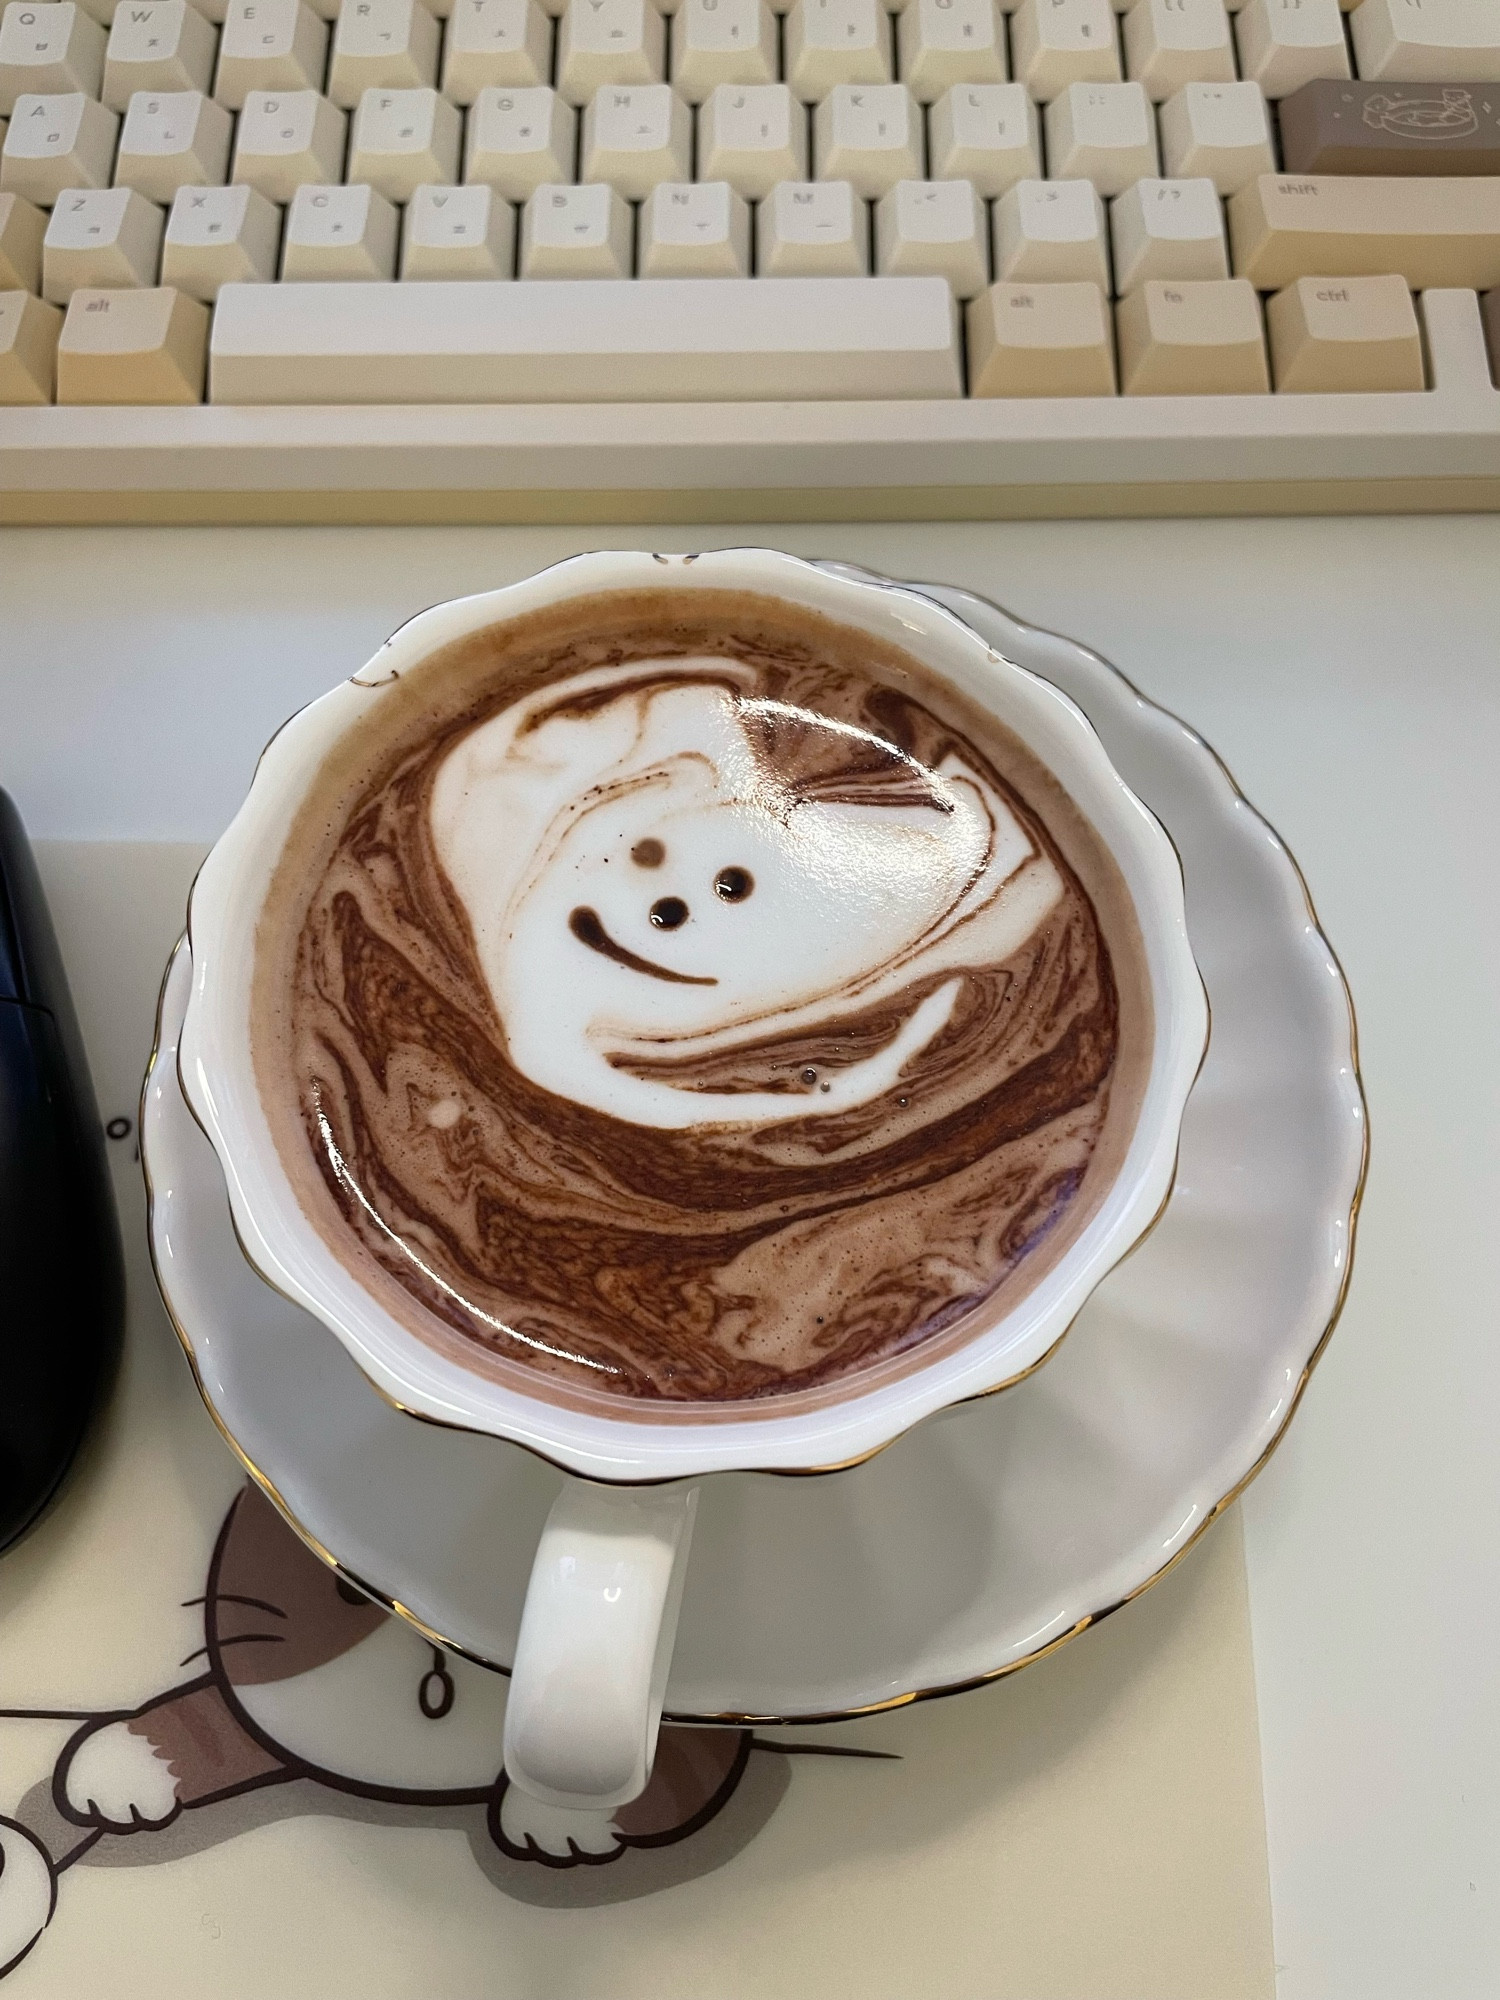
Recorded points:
850,904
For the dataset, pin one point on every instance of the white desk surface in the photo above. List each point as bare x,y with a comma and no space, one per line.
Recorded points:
1349,672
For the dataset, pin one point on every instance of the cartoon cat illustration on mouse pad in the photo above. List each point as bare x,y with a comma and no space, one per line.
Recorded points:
303,1677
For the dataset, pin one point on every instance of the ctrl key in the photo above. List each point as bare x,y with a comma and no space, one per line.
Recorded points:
28,344
132,347
1040,340
1345,334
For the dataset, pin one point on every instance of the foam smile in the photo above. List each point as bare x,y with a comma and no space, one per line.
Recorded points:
586,926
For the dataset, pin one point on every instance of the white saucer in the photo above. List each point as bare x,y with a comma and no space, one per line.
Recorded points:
991,1533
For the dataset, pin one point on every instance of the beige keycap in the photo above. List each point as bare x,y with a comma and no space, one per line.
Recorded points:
1172,42
1219,130
458,232
933,229
161,45
1167,229
1429,231
944,42
1192,338
576,232
339,234
697,230
1427,41
172,140
504,43
132,347
100,236
520,140
289,139
1057,42
1333,334
869,135
1050,232
1040,340
28,346
987,133
636,136
382,45
1102,132
752,135
48,50
402,140
722,41
22,227
812,229
1286,43
55,143
609,41
269,45
219,236
829,42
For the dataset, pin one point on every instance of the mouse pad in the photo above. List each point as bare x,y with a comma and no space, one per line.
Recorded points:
1089,1829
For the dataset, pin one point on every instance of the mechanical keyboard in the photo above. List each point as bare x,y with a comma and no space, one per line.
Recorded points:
552,259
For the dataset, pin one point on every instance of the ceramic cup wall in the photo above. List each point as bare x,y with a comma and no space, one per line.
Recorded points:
597,1632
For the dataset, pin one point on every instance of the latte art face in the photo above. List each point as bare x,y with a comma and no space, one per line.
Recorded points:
656,862
690,1002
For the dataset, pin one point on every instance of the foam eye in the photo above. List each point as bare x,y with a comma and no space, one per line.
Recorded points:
669,913
733,885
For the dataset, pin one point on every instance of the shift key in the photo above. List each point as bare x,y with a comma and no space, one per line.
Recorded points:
1334,127
1431,232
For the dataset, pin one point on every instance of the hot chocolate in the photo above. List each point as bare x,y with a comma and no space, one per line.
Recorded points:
683,999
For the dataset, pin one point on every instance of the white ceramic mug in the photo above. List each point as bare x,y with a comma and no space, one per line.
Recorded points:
600,1615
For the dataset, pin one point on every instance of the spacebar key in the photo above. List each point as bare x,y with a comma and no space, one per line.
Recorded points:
649,340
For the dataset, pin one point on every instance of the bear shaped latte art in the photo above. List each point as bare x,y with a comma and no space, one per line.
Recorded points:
644,874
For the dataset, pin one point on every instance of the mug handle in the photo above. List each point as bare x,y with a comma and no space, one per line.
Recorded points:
596,1641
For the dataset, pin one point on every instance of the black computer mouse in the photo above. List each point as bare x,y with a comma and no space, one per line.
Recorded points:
62,1277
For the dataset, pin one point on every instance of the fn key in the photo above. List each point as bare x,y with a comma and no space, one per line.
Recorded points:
1335,127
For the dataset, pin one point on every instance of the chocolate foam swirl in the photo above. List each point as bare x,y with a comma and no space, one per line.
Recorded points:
674,1158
